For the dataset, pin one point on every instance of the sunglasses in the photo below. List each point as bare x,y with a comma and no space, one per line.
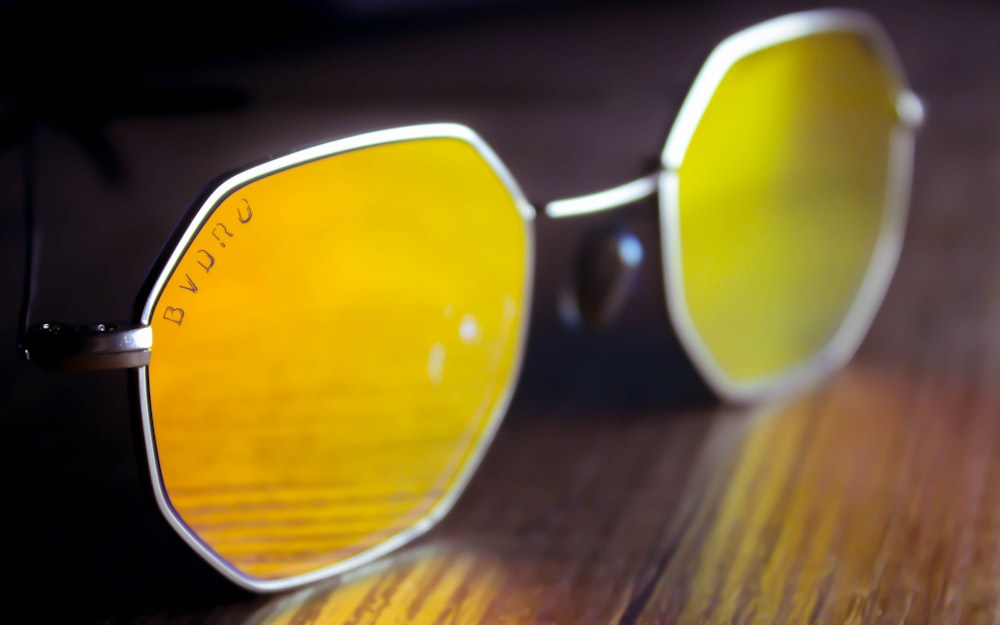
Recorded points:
339,331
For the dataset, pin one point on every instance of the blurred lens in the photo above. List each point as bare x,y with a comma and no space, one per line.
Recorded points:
781,197
333,348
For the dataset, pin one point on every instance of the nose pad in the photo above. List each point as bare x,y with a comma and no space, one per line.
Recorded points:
606,269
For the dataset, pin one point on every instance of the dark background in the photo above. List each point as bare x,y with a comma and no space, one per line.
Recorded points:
130,108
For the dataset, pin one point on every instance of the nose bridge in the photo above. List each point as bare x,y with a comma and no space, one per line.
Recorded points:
608,199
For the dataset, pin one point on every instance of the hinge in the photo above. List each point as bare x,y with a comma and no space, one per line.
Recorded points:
83,348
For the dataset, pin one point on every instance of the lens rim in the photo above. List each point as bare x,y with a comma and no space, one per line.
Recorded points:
846,340
183,237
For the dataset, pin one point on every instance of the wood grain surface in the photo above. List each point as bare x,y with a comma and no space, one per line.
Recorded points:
616,491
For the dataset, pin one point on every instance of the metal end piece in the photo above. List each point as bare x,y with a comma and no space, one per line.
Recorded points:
62,347
910,110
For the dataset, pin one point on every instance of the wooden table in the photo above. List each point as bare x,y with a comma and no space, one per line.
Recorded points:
616,492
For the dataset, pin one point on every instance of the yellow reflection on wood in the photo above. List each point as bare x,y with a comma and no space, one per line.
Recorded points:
428,586
847,504
869,500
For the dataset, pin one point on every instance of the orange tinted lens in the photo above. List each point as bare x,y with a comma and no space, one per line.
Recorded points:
332,350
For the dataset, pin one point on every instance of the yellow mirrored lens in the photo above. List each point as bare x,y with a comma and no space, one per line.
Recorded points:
332,349
782,194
